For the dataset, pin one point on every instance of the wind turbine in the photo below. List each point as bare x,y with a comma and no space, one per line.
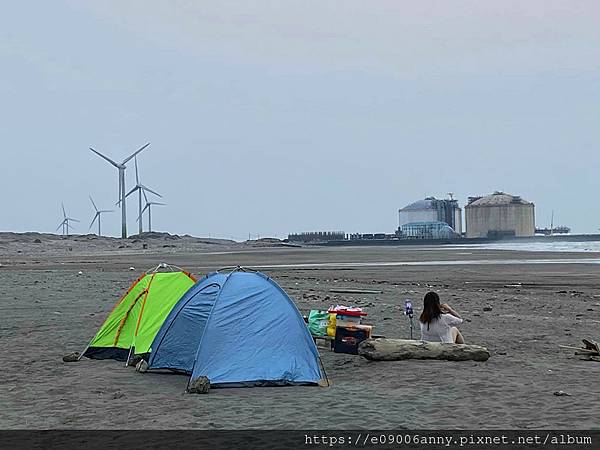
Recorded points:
121,167
65,225
149,208
99,212
140,188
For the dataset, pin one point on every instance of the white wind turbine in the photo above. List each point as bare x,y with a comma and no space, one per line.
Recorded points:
149,208
121,167
65,225
98,215
141,189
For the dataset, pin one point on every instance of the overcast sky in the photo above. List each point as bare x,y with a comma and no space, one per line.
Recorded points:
269,117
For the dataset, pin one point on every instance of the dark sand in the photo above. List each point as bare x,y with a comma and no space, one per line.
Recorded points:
48,310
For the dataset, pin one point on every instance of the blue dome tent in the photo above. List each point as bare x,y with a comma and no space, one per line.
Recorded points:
238,329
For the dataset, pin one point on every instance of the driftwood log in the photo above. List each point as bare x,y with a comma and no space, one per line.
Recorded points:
399,349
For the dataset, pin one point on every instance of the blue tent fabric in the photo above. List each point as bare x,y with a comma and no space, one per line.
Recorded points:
176,343
237,328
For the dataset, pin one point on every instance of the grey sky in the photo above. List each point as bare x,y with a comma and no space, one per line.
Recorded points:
278,116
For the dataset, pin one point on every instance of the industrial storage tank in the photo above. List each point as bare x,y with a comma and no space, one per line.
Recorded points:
499,215
432,209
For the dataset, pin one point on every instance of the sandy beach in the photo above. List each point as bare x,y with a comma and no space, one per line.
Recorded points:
548,299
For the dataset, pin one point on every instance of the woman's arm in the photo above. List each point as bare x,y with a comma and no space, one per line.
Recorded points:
448,310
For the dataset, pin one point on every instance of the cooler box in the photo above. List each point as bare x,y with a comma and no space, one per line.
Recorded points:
347,317
347,338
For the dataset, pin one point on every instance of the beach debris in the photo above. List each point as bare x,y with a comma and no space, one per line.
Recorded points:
355,291
399,349
72,357
561,394
117,395
487,308
37,241
80,273
515,285
132,268
141,366
200,385
590,351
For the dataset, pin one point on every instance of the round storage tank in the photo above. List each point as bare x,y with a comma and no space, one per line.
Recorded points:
419,211
499,215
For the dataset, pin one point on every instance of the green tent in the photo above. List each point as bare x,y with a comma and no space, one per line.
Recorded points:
139,314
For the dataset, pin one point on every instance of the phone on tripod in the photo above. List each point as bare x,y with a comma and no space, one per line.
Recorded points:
408,308
408,311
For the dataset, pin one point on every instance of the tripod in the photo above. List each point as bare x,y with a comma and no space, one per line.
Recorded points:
408,311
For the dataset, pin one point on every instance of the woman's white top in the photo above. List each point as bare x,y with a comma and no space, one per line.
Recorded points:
440,330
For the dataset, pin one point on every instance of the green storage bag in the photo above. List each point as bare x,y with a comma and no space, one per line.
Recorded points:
318,322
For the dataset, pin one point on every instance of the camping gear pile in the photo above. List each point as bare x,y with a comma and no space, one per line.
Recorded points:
236,328
343,325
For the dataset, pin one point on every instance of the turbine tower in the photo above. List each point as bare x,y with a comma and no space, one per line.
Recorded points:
65,225
149,208
99,212
141,189
121,167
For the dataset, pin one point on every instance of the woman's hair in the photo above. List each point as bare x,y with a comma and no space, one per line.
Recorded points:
431,308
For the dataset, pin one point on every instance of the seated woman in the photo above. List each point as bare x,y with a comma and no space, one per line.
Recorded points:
439,321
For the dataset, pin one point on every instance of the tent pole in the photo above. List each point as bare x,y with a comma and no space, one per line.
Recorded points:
86,349
128,356
324,371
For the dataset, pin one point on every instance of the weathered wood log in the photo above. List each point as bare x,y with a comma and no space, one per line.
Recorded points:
399,349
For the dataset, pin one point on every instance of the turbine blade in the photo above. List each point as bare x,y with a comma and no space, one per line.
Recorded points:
94,219
63,208
145,196
137,176
157,203
60,225
93,203
106,210
132,191
143,211
136,152
150,190
72,220
105,157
